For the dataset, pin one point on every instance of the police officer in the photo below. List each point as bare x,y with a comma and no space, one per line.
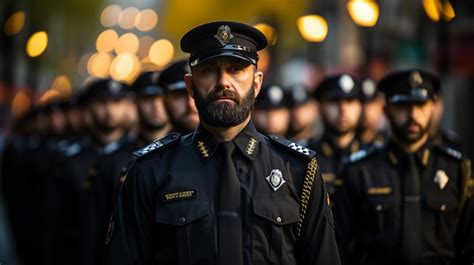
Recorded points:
180,106
411,201
304,115
271,114
340,108
371,129
149,100
224,194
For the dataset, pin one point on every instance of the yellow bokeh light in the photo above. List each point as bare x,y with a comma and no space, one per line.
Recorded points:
37,43
313,28
125,67
110,15
448,11
268,31
161,52
82,64
99,64
144,47
15,23
431,9
364,13
106,40
437,9
62,84
21,104
146,20
127,18
48,97
127,43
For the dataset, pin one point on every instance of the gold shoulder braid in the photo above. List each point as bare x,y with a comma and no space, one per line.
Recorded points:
306,192
468,185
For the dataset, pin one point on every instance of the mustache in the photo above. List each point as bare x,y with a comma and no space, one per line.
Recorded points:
224,93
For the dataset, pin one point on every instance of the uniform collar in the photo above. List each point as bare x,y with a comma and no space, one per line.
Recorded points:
422,155
247,141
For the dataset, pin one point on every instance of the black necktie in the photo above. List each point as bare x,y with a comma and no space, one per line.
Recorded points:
230,225
411,235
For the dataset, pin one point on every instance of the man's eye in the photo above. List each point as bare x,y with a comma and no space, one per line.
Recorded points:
235,68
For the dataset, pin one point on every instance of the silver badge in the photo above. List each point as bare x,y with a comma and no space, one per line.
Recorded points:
346,83
223,35
275,93
275,179
368,87
441,179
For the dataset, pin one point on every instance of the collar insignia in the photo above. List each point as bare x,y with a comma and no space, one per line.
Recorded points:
223,35
441,179
426,157
251,145
326,148
275,179
299,148
203,149
393,158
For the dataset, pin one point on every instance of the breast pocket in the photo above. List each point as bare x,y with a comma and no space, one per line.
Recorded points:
379,217
185,225
440,217
274,230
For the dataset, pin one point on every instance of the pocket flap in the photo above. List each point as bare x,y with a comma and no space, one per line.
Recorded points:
181,212
379,202
441,204
280,212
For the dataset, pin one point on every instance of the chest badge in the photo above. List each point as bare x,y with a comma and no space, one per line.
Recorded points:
441,179
275,179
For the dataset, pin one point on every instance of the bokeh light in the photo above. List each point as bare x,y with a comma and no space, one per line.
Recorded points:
161,52
312,28
146,20
437,9
21,104
106,40
62,84
268,31
127,43
99,64
15,23
125,67
127,17
37,44
110,15
364,13
144,47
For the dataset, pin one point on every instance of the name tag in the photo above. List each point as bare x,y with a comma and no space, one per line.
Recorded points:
379,190
179,195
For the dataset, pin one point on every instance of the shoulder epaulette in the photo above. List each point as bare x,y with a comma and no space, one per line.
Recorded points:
450,151
362,154
157,145
296,148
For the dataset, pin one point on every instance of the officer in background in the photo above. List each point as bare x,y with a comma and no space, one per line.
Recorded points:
149,100
224,194
371,129
340,108
440,135
304,115
179,105
411,201
271,114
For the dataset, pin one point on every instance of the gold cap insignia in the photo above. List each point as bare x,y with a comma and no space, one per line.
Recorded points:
251,145
415,78
441,179
223,35
203,149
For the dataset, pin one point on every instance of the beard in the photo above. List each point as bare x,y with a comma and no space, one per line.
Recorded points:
224,114
402,132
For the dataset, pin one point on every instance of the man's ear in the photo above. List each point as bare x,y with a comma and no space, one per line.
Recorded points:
257,81
188,80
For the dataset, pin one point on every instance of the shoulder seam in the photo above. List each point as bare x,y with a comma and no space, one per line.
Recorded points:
156,145
294,147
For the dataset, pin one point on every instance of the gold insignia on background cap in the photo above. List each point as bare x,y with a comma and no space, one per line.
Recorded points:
415,78
223,35
251,145
203,149
441,179
426,157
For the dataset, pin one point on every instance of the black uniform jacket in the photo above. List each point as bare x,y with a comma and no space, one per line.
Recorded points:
166,211
369,206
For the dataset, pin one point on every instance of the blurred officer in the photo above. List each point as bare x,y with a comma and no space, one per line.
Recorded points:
271,114
224,194
440,135
340,108
371,125
88,177
411,201
149,99
304,115
180,106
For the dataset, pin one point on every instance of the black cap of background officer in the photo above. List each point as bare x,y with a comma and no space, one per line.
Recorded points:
106,89
409,86
147,84
223,38
271,97
297,95
338,87
172,78
368,89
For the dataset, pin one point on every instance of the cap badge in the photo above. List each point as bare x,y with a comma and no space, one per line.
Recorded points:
223,35
251,145
441,179
346,83
275,179
275,93
114,86
415,78
368,87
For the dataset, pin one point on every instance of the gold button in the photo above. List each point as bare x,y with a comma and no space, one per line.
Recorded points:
278,219
443,207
